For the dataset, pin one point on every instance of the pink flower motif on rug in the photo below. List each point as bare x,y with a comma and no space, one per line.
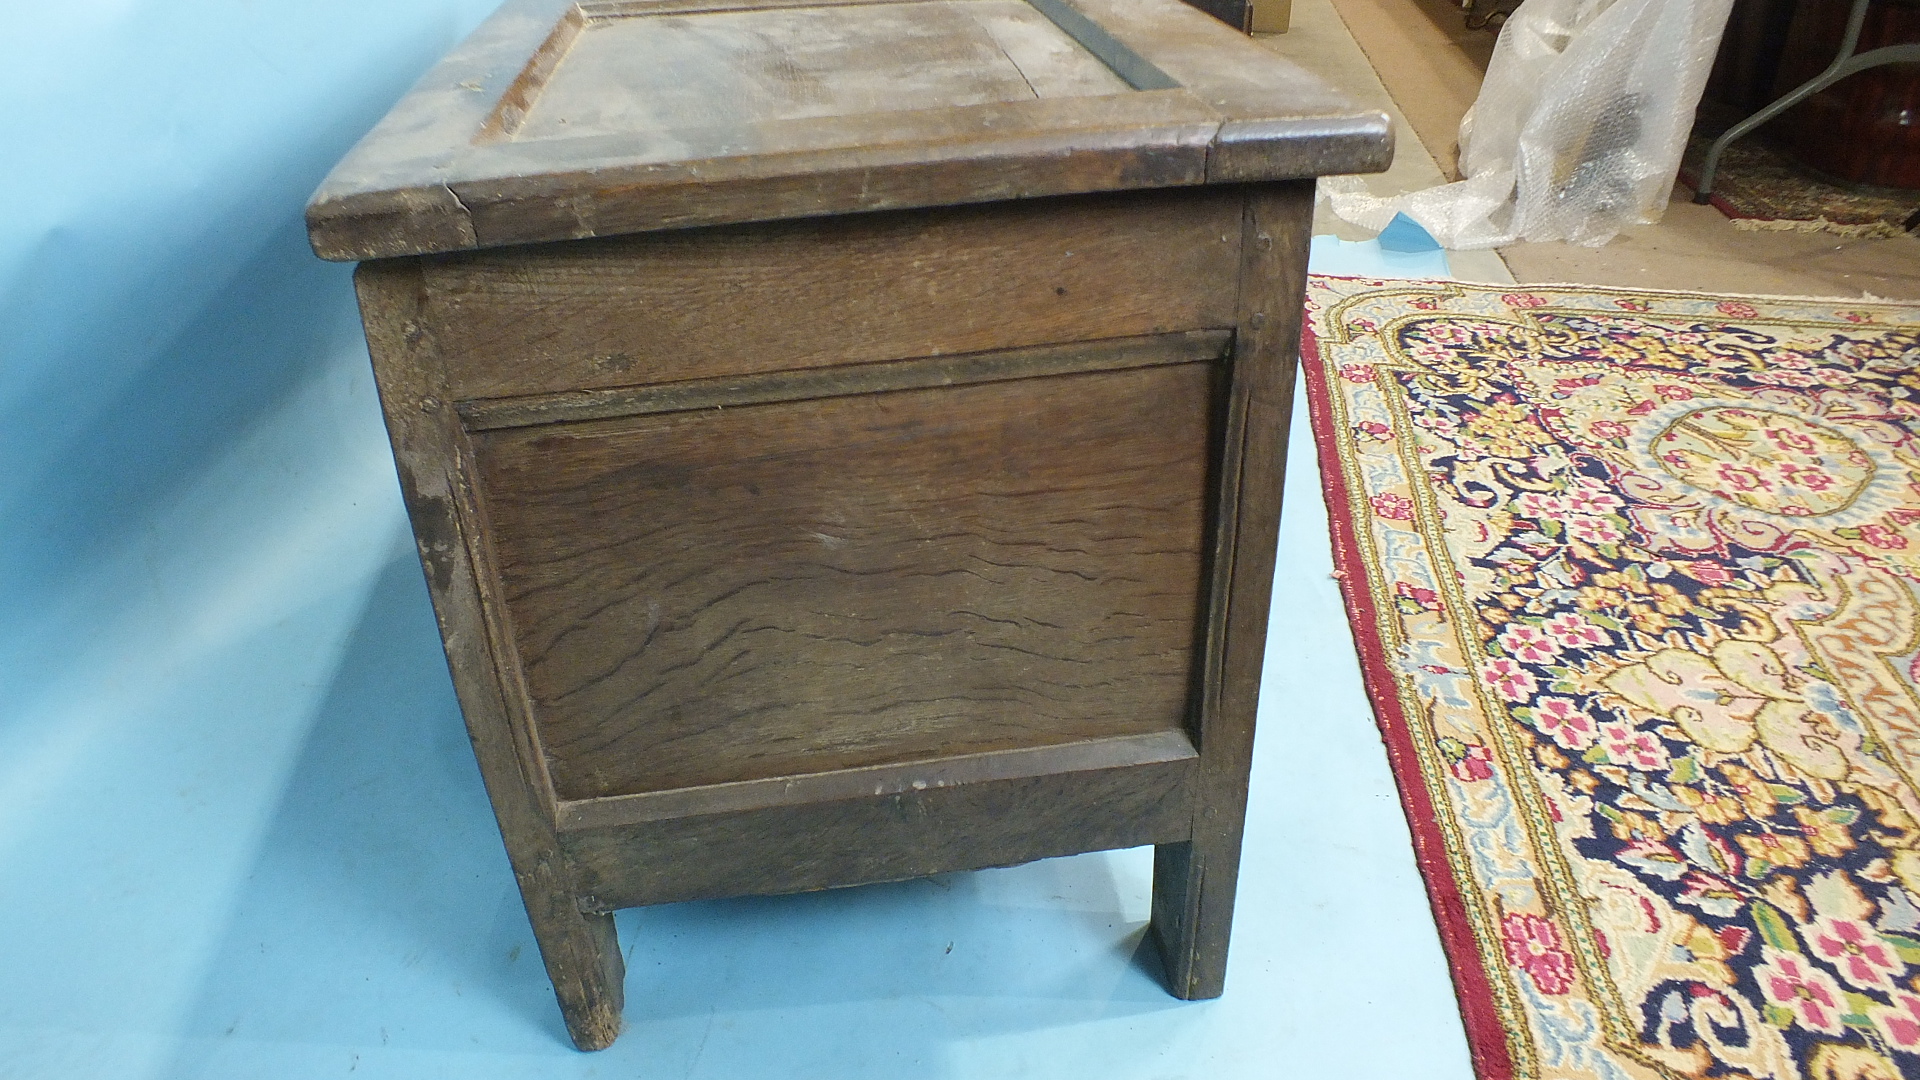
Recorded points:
1561,720
1573,631
1899,1023
1508,679
1856,952
1529,644
1636,749
1809,994
1470,762
1882,537
1393,507
1420,599
1533,945
1593,530
1593,499
1540,504
1706,573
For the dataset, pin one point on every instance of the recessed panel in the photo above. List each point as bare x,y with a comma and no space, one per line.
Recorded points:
779,589
658,73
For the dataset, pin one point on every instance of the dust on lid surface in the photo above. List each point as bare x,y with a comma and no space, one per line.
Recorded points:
564,120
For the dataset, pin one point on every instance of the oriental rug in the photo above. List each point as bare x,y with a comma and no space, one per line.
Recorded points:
1760,188
1635,582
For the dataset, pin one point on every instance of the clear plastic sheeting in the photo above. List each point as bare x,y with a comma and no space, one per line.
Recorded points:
1578,129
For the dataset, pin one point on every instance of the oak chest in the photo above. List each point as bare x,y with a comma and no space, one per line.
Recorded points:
844,438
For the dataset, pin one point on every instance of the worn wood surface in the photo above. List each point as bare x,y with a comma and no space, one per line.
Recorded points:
920,774
776,589
1194,881
732,391
712,69
578,188
579,949
1276,121
627,118
883,838
667,307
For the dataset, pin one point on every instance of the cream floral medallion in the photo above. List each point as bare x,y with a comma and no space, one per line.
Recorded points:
1636,578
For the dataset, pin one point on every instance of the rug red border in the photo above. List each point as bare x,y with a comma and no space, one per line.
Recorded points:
1692,180
1486,1035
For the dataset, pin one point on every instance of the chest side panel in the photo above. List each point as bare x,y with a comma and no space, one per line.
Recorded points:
795,587
705,303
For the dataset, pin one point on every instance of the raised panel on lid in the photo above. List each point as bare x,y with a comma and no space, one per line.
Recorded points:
790,588
652,73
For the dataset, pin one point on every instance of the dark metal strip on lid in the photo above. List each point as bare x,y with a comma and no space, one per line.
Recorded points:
1137,70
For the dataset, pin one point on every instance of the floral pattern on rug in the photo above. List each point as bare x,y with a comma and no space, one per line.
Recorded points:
1636,583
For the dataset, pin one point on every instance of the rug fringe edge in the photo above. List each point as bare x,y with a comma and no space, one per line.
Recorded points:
1871,230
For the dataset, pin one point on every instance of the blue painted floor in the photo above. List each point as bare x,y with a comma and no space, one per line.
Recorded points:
1366,258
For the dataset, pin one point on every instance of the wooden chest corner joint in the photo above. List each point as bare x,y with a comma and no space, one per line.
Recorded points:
785,535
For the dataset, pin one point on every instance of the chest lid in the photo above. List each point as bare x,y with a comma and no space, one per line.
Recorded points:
567,119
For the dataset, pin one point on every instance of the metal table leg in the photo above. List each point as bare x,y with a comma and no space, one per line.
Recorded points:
1843,65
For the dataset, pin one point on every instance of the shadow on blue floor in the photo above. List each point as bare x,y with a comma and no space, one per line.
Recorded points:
262,334
379,918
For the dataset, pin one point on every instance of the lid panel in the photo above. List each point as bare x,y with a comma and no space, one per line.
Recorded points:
719,69
564,119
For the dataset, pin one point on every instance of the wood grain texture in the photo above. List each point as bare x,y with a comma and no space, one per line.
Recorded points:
579,949
1137,71
730,391
511,111
457,166
780,589
1277,121
709,70
884,838
1194,881
839,785
1055,61
565,189
668,307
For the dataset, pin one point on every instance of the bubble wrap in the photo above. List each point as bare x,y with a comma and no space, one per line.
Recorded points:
1578,129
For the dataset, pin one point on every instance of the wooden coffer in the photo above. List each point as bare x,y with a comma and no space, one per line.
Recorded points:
819,485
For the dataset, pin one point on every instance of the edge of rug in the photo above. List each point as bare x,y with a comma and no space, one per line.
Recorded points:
1714,199
1486,1034
1879,229
1851,302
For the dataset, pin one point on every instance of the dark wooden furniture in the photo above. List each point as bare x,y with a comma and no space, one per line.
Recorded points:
844,439
1865,128
1235,13
1848,114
